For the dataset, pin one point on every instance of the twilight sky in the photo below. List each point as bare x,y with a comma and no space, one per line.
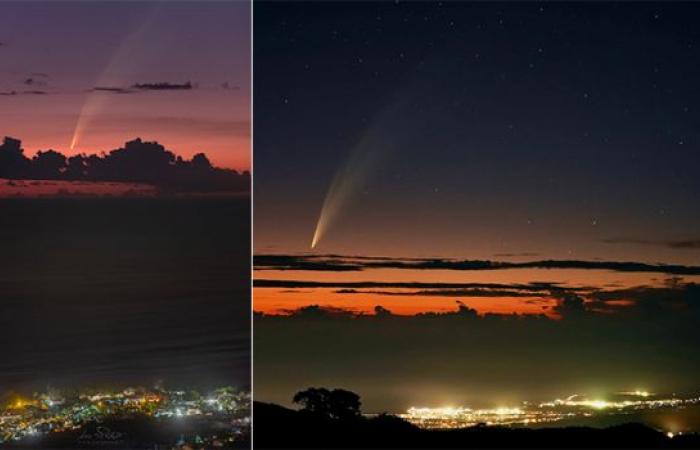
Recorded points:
529,158
53,54
479,129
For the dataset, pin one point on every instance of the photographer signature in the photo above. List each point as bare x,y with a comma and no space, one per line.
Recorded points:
101,434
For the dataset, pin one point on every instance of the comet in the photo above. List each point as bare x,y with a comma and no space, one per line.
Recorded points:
116,71
378,142
406,116
353,174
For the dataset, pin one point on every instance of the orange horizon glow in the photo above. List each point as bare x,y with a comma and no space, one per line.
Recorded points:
280,301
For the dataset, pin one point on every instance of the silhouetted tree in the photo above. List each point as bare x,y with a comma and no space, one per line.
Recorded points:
314,400
48,165
76,167
344,404
13,163
335,404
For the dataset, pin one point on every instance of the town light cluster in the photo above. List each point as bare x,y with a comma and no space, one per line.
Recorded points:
552,411
55,412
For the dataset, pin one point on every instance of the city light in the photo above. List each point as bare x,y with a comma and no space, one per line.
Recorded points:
553,411
43,414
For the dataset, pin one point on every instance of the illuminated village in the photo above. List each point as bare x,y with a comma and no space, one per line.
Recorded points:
529,414
225,410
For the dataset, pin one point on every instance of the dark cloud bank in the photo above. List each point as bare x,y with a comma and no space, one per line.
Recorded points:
598,345
30,92
142,87
137,162
340,263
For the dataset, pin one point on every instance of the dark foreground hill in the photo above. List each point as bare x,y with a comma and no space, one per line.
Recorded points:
279,427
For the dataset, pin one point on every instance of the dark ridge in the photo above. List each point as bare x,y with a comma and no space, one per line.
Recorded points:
280,427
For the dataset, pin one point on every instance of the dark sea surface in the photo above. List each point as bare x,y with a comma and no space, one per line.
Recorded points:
119,291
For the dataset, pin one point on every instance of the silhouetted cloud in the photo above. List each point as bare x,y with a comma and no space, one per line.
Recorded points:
163,86
35,81
298,284
671,243
336,263
115,90
294,262
28,92
446,293
137,162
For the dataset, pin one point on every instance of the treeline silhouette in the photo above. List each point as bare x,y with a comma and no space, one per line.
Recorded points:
332,419
136,162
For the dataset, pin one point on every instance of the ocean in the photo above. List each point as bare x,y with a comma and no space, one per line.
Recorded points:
124,291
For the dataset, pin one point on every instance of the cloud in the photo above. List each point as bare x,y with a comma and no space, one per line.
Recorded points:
337,263
446,293
690,244
320,312
34,81
137,162
112,89
294,284
163,86
294,262
28,92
